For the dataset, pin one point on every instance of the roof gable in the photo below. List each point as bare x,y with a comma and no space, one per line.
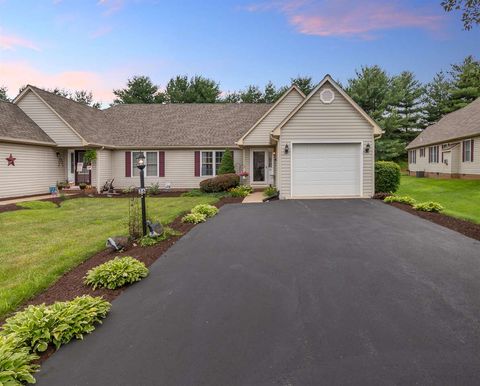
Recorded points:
462,123
280,109
327,79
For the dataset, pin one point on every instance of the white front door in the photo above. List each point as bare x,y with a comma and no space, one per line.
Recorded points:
261,166
326,169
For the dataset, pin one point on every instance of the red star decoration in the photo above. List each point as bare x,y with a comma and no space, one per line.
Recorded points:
11,160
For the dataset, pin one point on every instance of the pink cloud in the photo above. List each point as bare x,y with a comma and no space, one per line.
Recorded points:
101,31
350,18
10,42
16,74
111,6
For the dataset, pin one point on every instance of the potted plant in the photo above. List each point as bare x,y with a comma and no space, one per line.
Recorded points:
82,186
243,174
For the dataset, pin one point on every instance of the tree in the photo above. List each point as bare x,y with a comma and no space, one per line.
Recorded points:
232,97
470,10
3,94
226,166
252,94
436,99
304,83
140,89
270,93
196,90
85,97
465,83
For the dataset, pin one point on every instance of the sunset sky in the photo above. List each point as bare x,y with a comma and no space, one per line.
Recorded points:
98,44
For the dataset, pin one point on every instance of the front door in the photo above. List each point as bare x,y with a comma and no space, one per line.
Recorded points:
82,174
261,166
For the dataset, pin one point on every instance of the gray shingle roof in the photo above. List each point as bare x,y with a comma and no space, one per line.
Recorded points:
459,124
156,125
15,124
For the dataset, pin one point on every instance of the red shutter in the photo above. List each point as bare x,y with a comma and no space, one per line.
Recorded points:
161,164
463,151
128,164
471,150
197,164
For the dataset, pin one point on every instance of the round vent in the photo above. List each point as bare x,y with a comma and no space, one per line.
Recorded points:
327,96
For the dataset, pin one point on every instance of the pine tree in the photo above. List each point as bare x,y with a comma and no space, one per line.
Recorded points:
226,166
437,96
3,94
465,82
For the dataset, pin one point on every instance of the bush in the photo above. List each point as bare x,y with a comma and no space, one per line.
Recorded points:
38,326
381,195
154,189
15,363
270,191
221,183
194,218
226,166
128,190
401,199
387,176
205,209
429,206
116,273
241,191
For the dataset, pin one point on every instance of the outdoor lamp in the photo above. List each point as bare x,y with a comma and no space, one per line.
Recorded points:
141,161
367,148
286,148
142,191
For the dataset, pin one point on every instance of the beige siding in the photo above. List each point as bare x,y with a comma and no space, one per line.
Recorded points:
319,122
104,167
36,169
260,135
179,170
48,121
471,167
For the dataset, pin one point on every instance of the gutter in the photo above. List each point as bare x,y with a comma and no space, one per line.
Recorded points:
27,141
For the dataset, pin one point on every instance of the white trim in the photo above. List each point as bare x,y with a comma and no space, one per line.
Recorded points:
133,162
293,87
299,142
214,161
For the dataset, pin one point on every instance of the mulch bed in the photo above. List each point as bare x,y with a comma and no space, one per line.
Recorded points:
70,285
466,228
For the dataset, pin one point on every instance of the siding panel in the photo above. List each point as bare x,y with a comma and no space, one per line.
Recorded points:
316,121
36,169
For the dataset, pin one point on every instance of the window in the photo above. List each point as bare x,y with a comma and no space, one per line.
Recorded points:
433,152
208,166
467,150
412,156
151,159
422,152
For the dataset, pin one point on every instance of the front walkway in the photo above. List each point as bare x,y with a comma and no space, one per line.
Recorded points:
253,198
331,292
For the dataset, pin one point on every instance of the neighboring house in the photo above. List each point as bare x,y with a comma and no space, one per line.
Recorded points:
450,148
320,145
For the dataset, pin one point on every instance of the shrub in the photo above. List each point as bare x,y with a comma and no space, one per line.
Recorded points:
128,190
381,195
38,326
270,191
15,363
226,166
401,199
205,209
221,183
429,206
116,273
387,176
241,191
154,189
194,218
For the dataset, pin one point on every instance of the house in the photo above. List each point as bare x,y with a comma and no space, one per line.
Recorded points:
320,145
450,148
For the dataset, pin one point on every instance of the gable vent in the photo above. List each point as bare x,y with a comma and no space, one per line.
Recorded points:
327,95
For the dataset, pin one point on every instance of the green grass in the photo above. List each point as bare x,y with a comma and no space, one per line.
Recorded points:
461,198
39,244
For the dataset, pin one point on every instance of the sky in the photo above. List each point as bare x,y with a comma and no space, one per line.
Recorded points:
98,44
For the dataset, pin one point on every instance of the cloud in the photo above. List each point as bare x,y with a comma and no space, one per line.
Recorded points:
350,18
101,31
111,6
10,42
16,74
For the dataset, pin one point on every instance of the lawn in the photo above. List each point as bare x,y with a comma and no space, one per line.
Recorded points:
39,244
461,198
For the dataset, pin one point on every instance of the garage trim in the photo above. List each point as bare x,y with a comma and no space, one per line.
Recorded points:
290,145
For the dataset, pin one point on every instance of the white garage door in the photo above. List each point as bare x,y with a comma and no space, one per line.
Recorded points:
326,169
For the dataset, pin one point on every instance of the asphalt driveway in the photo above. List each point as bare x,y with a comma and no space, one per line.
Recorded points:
338,292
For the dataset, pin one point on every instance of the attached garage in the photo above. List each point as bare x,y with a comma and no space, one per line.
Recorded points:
326,169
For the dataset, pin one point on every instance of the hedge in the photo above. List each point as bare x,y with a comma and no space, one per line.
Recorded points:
387,177
220,183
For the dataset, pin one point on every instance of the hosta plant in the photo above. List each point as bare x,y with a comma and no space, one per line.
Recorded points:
270,191
401,199
194,218
241,191
168,232
116,273
16,366
205,209
38,326
429,206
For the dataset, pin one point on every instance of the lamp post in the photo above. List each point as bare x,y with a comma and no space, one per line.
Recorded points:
142,191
